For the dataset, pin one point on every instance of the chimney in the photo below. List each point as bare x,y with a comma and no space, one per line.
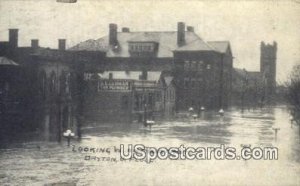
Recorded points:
34,43
275,45
125,29
13,38
180,33
113,28
61,44
190,28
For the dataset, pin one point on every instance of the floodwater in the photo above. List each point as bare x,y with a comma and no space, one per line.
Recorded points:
41,163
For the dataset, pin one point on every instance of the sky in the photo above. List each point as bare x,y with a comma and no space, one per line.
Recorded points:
244,23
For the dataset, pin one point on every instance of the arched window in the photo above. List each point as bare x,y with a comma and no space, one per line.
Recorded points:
62,84
43,84
65,83
52,83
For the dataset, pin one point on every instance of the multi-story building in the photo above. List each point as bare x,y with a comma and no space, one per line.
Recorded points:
187,72
201,70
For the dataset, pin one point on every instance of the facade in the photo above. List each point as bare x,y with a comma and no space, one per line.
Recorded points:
54,103
168,96
49,94
60,89
203,75
11,105
207,85
126,96
16,108
247,88
60,94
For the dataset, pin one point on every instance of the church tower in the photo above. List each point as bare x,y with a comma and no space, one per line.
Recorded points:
268,68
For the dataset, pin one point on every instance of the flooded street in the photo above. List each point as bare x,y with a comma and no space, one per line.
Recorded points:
39,163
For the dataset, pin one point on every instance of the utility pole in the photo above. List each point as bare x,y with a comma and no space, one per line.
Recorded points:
276,131
221,82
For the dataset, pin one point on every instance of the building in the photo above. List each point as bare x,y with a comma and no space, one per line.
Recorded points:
201,70
49,87
126,96
126,75
16,89
268,69
168,96
257,88
11,105
247,88
203,75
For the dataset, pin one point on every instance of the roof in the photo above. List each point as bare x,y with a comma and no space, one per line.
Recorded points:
249,74
197,45
167,43
241,72
253,75
145,37
220,46
131,75
6,61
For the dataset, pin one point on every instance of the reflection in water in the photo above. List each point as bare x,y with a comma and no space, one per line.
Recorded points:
37,163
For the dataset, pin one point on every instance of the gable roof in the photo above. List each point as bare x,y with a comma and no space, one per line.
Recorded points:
221,46
167,43
253,75
197,45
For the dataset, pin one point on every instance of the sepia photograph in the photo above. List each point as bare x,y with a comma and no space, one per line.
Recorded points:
149,92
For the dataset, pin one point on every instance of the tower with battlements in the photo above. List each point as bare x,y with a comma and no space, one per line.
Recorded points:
268,69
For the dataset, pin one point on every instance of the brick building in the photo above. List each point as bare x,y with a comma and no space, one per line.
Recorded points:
169,64
207,80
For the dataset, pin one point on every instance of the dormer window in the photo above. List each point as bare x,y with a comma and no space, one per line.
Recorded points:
142,48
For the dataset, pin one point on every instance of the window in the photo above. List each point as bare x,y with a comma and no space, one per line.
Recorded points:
52,83
136,102
141,47
65,83
208,67
124,103
150,100
186,65
43,84
194,65
193,84
200,65
186,83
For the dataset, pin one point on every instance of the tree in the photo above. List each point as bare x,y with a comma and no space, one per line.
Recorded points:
293,94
